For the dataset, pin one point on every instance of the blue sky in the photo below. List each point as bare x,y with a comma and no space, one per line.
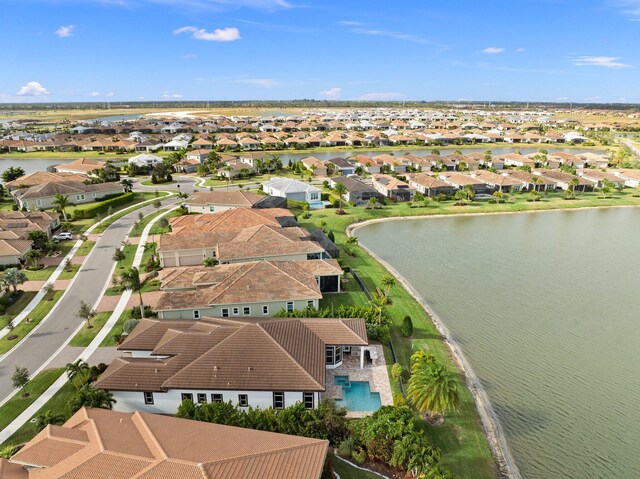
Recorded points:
119,50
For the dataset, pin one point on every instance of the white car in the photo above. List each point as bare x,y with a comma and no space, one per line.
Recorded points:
63,236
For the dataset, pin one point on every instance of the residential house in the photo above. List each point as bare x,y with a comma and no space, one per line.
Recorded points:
599,177
497,181
103,444
187,165
564,180
42,196
429,185
221,200
530,181
459,181
517,160
39,177
13,251
198,155
358,193
250,361
294,190
145,160
397,165
392,188
256,243
21,223
81,166
343,167
316,166
369,165
631,177
233,220
260,287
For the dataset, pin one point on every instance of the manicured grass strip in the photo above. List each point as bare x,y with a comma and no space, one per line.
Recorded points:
85,248
73,269
58,404
351,295
39,274
117,329
159,185
126,209
86,334
139,227
346,471
17,404
21,330
16,308
156,229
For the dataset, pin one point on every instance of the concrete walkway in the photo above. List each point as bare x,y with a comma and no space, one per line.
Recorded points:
93,349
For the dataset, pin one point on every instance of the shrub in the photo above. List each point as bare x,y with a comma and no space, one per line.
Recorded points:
399,400
148,312
396,371
346,447
102,207
130,324
359,456
407,326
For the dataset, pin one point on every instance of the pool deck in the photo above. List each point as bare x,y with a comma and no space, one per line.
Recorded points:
375,373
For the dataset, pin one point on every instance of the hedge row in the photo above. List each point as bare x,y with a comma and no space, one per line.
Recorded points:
103,206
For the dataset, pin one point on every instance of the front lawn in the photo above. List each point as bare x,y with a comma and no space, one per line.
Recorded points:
36,386
110,340
84,337
85,248
16,308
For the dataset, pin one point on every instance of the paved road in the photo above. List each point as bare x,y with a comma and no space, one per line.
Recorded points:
632,146
88,286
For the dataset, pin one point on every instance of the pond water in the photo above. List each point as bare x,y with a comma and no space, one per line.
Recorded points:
545,309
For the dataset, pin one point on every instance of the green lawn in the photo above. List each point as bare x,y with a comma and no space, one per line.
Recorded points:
117,329
84,337
123,210
156,229
159,185
22,329
16,308
351,294
72,270
85,248
139,227
59,403
17,404
39,274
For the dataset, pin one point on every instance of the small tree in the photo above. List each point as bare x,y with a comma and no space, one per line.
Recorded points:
396,372
77,372
340,190
61,203
48,417
209,262
118,255
86,313
34,256
387,283
163,223
407,326
157,204
131,281
14,277
20,379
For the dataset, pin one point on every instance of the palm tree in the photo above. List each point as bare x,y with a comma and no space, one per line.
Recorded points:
127,184
14,277
152,248
8,451
61,203
90,397
388,282
498,195
421,357
131,281
340,189
34,256
209,262
372,203
378,302
433,389
48,417
77,372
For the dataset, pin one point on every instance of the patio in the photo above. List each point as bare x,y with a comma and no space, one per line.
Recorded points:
374,372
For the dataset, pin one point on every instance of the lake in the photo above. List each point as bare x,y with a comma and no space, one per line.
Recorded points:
543,306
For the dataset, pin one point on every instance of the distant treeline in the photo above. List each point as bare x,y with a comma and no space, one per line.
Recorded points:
308,104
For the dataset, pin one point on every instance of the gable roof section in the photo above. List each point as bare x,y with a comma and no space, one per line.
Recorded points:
103,444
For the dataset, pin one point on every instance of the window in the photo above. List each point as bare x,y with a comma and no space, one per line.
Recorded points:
202,398
307,398
93,195
236,311
148,398
196,314
187,397
243,400
79,197
310,304
313,196
290,306
278,400
38,202
265,309
328,355
216,398
246,310
225,312
338,355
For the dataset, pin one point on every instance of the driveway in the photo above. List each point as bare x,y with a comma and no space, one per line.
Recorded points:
52,334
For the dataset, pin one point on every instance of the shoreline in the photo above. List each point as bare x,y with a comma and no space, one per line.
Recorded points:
491,426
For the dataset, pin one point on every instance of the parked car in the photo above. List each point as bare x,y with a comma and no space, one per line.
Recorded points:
63,236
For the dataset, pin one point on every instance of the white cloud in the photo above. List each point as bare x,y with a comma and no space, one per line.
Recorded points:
94,93
390,34
33,88
332,93
215,5
380,96
349,23
519,50
264,82
602,62
631,8
170,94
228,34
493,50
189,56
110,94
64,32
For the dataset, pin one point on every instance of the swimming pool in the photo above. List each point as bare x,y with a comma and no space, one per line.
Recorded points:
357,395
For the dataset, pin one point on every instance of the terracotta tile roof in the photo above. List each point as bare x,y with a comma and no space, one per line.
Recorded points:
248,354
14,247
39,177
172,448
495,179
426,180
65,188
233,220
239,283
227,198
83,165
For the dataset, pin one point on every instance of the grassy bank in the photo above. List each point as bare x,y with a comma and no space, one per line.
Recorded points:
17,404
126,209
110,340
22,329
16,308
84,337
